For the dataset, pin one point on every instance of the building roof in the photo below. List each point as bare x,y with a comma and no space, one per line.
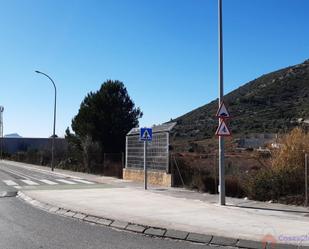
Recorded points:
167,127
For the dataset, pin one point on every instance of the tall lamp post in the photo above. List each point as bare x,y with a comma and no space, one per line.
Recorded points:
55,103
221,139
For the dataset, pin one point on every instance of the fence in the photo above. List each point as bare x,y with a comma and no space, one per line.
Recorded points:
200,171
246,175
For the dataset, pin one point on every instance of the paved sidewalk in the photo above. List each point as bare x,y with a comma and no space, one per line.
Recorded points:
179,209
157,210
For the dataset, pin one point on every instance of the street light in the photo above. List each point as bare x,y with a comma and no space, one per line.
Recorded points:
54,135
221,94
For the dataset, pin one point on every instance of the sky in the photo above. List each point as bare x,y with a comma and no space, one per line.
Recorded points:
164,51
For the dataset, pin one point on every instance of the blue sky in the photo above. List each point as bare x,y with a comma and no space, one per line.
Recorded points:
165,52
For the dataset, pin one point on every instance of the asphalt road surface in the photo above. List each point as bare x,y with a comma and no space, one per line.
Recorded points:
25,227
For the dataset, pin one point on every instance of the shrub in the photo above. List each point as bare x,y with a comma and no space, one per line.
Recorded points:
272,184
291,152
234,186
285,177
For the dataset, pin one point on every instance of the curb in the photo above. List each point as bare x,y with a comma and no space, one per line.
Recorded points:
157,231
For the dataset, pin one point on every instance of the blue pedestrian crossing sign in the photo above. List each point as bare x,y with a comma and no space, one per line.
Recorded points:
145,134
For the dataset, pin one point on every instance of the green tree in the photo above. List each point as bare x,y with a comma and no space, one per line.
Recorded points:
106,116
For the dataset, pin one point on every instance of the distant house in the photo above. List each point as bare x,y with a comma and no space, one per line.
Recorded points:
257,141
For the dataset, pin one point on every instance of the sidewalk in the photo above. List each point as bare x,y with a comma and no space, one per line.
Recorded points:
179,209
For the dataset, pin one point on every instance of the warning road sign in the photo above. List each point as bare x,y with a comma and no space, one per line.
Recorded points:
223,130
146,134
222,111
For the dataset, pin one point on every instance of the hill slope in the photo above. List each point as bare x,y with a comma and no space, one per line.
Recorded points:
274,102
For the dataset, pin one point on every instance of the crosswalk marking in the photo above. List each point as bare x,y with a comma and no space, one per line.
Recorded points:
10,183
48,182
29,182
83,181
66,181
22,182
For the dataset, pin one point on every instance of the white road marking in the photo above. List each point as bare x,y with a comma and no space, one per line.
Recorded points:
22,175
31,168
65,181
83,181
29,182
48,182
10,183
18,187
15,173
122,180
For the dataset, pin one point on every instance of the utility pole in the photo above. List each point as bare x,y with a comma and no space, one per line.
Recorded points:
221,138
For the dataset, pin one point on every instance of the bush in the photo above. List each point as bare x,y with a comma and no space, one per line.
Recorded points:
292,150
273,184
34,156
285,178
234,186
203,179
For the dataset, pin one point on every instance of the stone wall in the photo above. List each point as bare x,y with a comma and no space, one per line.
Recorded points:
160,178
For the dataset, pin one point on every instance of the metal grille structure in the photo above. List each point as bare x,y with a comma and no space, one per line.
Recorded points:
157,149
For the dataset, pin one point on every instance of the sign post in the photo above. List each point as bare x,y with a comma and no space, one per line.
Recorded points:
222,131
145,135
145,167
306,180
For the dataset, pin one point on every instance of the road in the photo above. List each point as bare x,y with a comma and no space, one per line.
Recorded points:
25,227
17,177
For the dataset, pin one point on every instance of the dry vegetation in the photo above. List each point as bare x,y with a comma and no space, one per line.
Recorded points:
278,176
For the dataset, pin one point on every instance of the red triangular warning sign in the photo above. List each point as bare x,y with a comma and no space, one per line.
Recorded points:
222,111
223,130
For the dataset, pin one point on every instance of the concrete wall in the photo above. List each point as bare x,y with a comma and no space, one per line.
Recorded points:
160,178
13,145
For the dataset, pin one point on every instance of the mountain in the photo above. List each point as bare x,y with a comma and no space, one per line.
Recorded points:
275,102
13,135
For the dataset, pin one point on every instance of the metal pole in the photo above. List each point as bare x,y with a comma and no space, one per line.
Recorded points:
1,129
215,173
306,179
221,139
145,167
54,126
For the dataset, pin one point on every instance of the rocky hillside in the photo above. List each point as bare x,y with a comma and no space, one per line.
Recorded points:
275,102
